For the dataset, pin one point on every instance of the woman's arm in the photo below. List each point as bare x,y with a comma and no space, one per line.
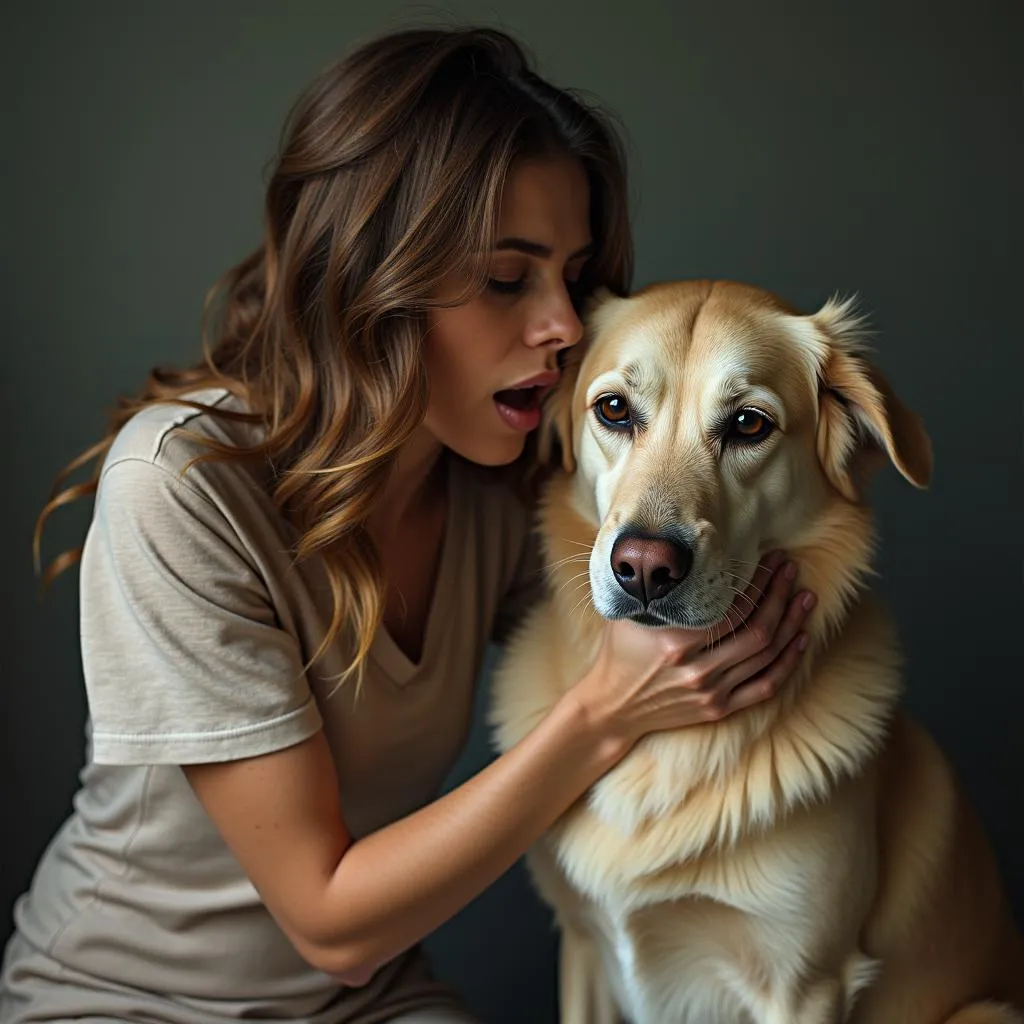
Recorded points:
351,906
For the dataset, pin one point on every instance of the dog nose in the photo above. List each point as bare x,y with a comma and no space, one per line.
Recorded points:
649,567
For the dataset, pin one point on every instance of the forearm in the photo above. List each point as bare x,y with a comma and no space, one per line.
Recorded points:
395,886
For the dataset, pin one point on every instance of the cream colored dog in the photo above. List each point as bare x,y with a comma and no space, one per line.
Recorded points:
810,860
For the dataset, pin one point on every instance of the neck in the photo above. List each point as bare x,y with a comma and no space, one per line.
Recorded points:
825,725
415,482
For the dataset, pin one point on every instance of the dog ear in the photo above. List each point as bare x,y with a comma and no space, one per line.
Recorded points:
556,433
859,411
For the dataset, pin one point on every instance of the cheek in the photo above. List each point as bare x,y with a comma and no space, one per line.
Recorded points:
767,500
449,354
800,489
464,349
600,467
446,371
778,482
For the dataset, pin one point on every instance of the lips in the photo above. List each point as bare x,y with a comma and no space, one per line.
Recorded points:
519,398
519,405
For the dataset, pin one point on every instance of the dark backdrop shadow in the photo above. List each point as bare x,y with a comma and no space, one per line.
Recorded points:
870,147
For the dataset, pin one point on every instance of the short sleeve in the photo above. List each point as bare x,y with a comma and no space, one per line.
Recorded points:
525,590
183,655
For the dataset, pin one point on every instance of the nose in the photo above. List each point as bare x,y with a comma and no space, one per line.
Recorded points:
558,324
649,567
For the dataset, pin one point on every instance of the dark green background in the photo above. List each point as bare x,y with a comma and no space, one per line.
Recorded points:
805,146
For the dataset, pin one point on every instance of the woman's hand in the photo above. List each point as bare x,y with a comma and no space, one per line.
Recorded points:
647,680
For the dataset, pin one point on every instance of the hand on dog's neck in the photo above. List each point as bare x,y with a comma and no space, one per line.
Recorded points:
694,766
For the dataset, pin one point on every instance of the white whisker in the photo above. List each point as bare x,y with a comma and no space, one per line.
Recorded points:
566,561
748,584
753,607
582,602
571,579
578,543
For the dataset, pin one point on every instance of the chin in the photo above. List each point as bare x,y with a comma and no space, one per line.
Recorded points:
493,454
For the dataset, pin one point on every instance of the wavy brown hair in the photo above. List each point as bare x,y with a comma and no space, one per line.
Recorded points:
388,180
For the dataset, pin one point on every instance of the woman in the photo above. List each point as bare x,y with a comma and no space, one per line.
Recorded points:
301,547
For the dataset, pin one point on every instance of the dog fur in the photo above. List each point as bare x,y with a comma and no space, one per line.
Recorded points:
810,860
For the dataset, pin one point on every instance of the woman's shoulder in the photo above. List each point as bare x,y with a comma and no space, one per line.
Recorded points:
161,460
169,434
166,432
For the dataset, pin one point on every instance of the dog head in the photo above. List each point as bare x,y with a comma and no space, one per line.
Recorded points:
705,424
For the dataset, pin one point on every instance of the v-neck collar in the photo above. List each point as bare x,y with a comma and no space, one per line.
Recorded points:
384,650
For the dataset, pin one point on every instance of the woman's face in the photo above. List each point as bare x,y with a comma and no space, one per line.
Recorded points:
491,360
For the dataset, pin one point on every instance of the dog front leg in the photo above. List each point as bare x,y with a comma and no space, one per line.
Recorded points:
822,1003
584,994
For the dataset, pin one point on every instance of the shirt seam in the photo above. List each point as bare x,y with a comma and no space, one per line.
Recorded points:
153,458
182,418
105,876
178,478
204,737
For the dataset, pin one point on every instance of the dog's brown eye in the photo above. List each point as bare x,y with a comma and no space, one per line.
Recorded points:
750,425
613,411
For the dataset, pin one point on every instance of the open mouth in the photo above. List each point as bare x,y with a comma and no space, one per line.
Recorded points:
520,407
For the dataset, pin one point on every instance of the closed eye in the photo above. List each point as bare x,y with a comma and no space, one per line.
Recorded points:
506,287
503,287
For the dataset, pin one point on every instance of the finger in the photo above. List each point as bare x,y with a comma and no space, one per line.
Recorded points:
757,588
670,646
764,686
796,616
758,632
745,604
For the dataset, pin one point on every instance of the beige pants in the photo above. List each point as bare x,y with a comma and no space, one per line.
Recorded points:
417,1017
435,1017
35,989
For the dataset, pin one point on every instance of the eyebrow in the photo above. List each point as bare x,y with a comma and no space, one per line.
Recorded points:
631,376
524,245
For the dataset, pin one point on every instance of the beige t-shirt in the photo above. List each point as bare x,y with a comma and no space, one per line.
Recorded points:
195,627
